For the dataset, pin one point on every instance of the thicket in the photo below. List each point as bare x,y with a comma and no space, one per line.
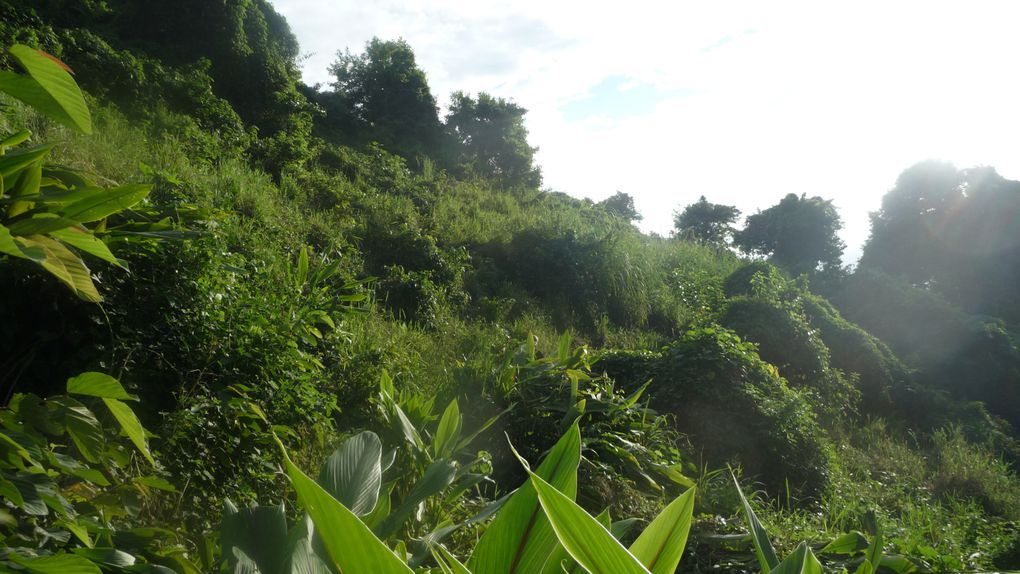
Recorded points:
291,286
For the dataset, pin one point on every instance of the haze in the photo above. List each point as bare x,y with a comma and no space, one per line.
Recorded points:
740,102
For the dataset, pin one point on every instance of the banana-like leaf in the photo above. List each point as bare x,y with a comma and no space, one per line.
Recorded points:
83,427
351,546
15,161
800,561
57,564
40,224
131,425
448,432
61,263
97,385
448,563
588,542
662,543
27,186
83,240
101,205
258,532
520,539
49,88
438,476
353,473
848,543
763,548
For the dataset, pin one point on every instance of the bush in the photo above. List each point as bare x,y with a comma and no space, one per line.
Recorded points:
733,405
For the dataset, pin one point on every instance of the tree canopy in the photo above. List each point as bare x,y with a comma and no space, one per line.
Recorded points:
622,205
386,91
956,232
707,223
798,234
493,138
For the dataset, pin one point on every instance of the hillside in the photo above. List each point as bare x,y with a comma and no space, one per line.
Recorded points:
278,267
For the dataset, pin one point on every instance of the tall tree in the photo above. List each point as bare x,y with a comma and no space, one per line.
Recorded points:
798,234
707,223
493,138
388,93
952,231
622,205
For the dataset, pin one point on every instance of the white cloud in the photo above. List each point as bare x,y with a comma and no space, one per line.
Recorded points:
778,97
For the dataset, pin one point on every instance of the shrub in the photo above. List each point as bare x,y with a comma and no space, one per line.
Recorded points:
733,405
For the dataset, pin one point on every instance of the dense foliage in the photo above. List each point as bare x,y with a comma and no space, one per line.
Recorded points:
291,281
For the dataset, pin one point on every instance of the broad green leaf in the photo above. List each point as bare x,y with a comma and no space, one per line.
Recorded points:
15,161
95,384
849,543
26,186
560,561
898,564
302,272
102,205
563,352
520,539
447,432
800,561
107,557
353,473
448,563
83,240
588,542
351,546
131,425
763,548
40,224
57,564
9,491
82,426
259,532
51,88
62,264
662,543
438,476
14,139
11,247
303,559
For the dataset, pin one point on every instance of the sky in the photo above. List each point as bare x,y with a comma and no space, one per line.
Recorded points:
742,102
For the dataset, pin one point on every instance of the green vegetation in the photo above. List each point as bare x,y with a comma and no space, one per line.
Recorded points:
284,282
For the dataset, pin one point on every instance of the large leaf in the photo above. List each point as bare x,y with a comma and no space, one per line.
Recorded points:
95,384
40,224
83,240
353,473
57,564
849,543
303,559
49,88
259,532
19,159
662,543
62,264
82,426
448,563
585,539
520,539
351,546
101,205
131,425
448,431
438,476
763,548
800,561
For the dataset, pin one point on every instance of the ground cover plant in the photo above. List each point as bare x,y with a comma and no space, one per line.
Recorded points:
251,324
